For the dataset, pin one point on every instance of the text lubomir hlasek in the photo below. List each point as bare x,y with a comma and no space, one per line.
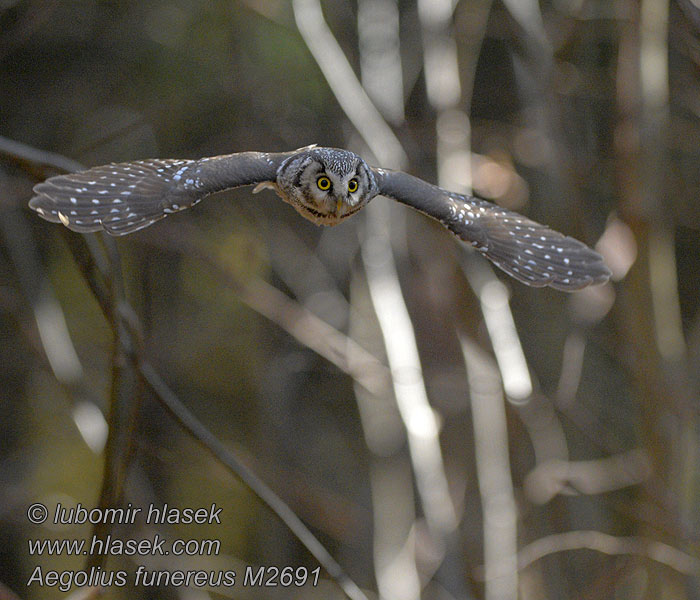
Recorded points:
153,515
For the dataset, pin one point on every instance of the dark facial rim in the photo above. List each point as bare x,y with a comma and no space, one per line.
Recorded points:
321,215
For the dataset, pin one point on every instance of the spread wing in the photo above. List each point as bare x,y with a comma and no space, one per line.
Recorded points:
125,197
530,252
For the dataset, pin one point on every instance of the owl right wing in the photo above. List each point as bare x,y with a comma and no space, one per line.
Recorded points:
530,252
125,197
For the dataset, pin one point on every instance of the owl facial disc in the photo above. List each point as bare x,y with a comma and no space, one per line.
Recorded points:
326,185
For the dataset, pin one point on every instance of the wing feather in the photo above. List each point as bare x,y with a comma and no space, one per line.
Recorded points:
119,198
532,253
124,197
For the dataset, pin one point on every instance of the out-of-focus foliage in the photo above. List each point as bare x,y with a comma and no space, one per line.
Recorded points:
566,127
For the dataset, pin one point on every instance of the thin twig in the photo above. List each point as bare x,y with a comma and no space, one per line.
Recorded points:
197,430
392,484
598,476
385,290
493,473
104,280
183,416
273,304
111,491
48,313
84,257
409,385
609,544
33,156
127,332
345,86
190,423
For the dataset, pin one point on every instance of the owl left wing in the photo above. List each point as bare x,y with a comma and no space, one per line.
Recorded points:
124,197
530,252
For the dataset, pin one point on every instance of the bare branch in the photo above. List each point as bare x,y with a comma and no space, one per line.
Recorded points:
345,86
382,277
609,544
212,444
493,472
126,329
407,379
33,156
297,321
48,314
552,477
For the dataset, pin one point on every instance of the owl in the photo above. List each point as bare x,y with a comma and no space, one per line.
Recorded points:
326,186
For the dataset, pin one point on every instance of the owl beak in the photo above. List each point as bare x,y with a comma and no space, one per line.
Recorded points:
338,206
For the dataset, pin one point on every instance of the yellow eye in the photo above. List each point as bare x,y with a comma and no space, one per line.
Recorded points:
323,183
352,185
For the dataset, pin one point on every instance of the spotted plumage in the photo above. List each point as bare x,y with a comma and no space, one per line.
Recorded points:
325,185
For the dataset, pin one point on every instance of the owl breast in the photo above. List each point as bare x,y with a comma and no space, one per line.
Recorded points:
325,185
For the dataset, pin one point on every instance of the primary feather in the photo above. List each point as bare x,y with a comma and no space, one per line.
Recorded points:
125,197
119,198
526,250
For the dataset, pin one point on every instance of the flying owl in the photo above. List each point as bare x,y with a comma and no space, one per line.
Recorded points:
326,186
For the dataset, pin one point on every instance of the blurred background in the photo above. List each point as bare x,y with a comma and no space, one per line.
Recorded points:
444,431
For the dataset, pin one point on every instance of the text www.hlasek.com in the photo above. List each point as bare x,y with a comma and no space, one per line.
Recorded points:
111,546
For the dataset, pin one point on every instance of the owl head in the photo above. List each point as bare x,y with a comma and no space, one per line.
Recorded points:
326,185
